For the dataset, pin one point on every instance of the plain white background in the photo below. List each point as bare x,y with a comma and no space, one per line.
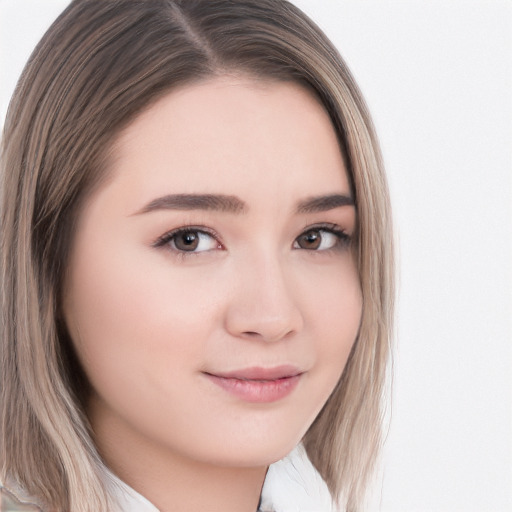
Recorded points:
438,79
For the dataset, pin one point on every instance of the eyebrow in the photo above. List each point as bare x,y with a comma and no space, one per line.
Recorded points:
216,202
232,204
324,203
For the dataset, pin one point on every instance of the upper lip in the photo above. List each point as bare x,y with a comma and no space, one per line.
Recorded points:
260,373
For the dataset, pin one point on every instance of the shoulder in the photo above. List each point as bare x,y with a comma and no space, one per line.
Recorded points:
294,485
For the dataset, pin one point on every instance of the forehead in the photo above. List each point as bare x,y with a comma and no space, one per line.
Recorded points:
229,135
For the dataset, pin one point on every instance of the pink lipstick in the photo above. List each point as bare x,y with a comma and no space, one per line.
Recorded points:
258,385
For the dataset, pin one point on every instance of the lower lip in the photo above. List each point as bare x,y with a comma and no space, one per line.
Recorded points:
257,391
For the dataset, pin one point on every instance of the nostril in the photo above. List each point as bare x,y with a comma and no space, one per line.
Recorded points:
266,335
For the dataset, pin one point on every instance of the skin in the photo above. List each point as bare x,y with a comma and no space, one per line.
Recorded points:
150,321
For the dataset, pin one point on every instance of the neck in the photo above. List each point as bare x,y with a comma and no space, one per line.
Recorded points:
173,482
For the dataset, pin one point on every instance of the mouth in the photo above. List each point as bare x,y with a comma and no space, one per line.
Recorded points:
258,385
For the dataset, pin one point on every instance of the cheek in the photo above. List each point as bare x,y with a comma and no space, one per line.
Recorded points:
343,315
129,318
335,316
335,304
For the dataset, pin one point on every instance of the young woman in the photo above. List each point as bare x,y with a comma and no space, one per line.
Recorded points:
196,265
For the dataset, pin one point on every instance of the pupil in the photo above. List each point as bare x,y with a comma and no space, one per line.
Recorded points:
189,238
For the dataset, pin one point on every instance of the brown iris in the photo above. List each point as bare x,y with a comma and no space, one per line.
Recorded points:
186,241
310,240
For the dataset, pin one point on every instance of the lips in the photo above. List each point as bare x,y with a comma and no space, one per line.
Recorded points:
257,384
263,374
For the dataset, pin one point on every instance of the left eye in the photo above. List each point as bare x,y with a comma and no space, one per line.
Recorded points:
189,240
318,240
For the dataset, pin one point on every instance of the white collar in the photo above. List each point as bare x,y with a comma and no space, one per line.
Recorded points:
291,485
127,499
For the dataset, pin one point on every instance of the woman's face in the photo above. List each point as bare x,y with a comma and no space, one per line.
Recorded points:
212,294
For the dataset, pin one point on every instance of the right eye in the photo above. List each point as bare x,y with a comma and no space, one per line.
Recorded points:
189,240
322,238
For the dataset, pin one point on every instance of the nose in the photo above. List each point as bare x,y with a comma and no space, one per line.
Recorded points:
264,305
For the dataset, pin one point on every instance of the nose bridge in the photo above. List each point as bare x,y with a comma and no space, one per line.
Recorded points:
264,305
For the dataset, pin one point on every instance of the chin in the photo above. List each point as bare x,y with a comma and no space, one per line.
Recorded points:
259,452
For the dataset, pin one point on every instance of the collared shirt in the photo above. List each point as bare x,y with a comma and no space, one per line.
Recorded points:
291,485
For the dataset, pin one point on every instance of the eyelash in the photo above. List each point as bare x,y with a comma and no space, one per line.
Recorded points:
343,242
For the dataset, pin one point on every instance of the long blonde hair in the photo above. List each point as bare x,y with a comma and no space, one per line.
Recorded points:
100,64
